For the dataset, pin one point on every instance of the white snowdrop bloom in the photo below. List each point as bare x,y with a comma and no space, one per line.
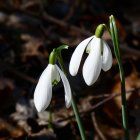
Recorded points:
100,57
43,91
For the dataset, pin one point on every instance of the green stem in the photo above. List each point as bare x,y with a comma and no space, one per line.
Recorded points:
60,60
115,39
124,104
79,122
50,118
74,106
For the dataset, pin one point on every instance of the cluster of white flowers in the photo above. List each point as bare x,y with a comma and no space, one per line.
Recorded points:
99,57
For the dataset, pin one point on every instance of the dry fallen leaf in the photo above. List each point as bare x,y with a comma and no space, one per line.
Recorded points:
33,47
6,93
113,107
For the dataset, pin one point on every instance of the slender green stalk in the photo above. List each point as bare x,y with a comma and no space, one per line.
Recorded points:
115,39
59,57
79,122
50,118
74,106
60,60
124,104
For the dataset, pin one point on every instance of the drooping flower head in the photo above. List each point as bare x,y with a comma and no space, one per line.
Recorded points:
100,57
50,77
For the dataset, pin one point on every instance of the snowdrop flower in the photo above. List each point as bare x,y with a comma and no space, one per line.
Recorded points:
49,78
100,57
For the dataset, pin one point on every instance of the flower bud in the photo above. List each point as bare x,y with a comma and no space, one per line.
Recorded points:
52,57
99,30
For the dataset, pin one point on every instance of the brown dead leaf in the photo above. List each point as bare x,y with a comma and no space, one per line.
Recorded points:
111,132
61,115
9,130
44,134
113,107
33,47
6,93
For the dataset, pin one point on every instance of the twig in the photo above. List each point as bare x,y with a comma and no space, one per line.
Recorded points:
17,73
101,135
62,24
47,18
99,104
22,76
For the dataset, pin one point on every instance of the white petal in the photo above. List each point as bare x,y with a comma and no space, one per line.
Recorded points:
92,65
107,57
43,91
77,56
55,77
66,87
89,46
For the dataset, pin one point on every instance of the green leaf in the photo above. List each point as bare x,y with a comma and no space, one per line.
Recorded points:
114,36
115,39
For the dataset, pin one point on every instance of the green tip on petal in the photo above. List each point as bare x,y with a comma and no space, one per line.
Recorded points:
55,82
52,57
99,30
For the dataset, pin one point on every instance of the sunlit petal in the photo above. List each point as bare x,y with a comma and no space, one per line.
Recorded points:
43,90
92,65
77,56
90,44
107,57
66,87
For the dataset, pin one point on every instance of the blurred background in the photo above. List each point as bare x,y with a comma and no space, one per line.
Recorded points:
29,30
